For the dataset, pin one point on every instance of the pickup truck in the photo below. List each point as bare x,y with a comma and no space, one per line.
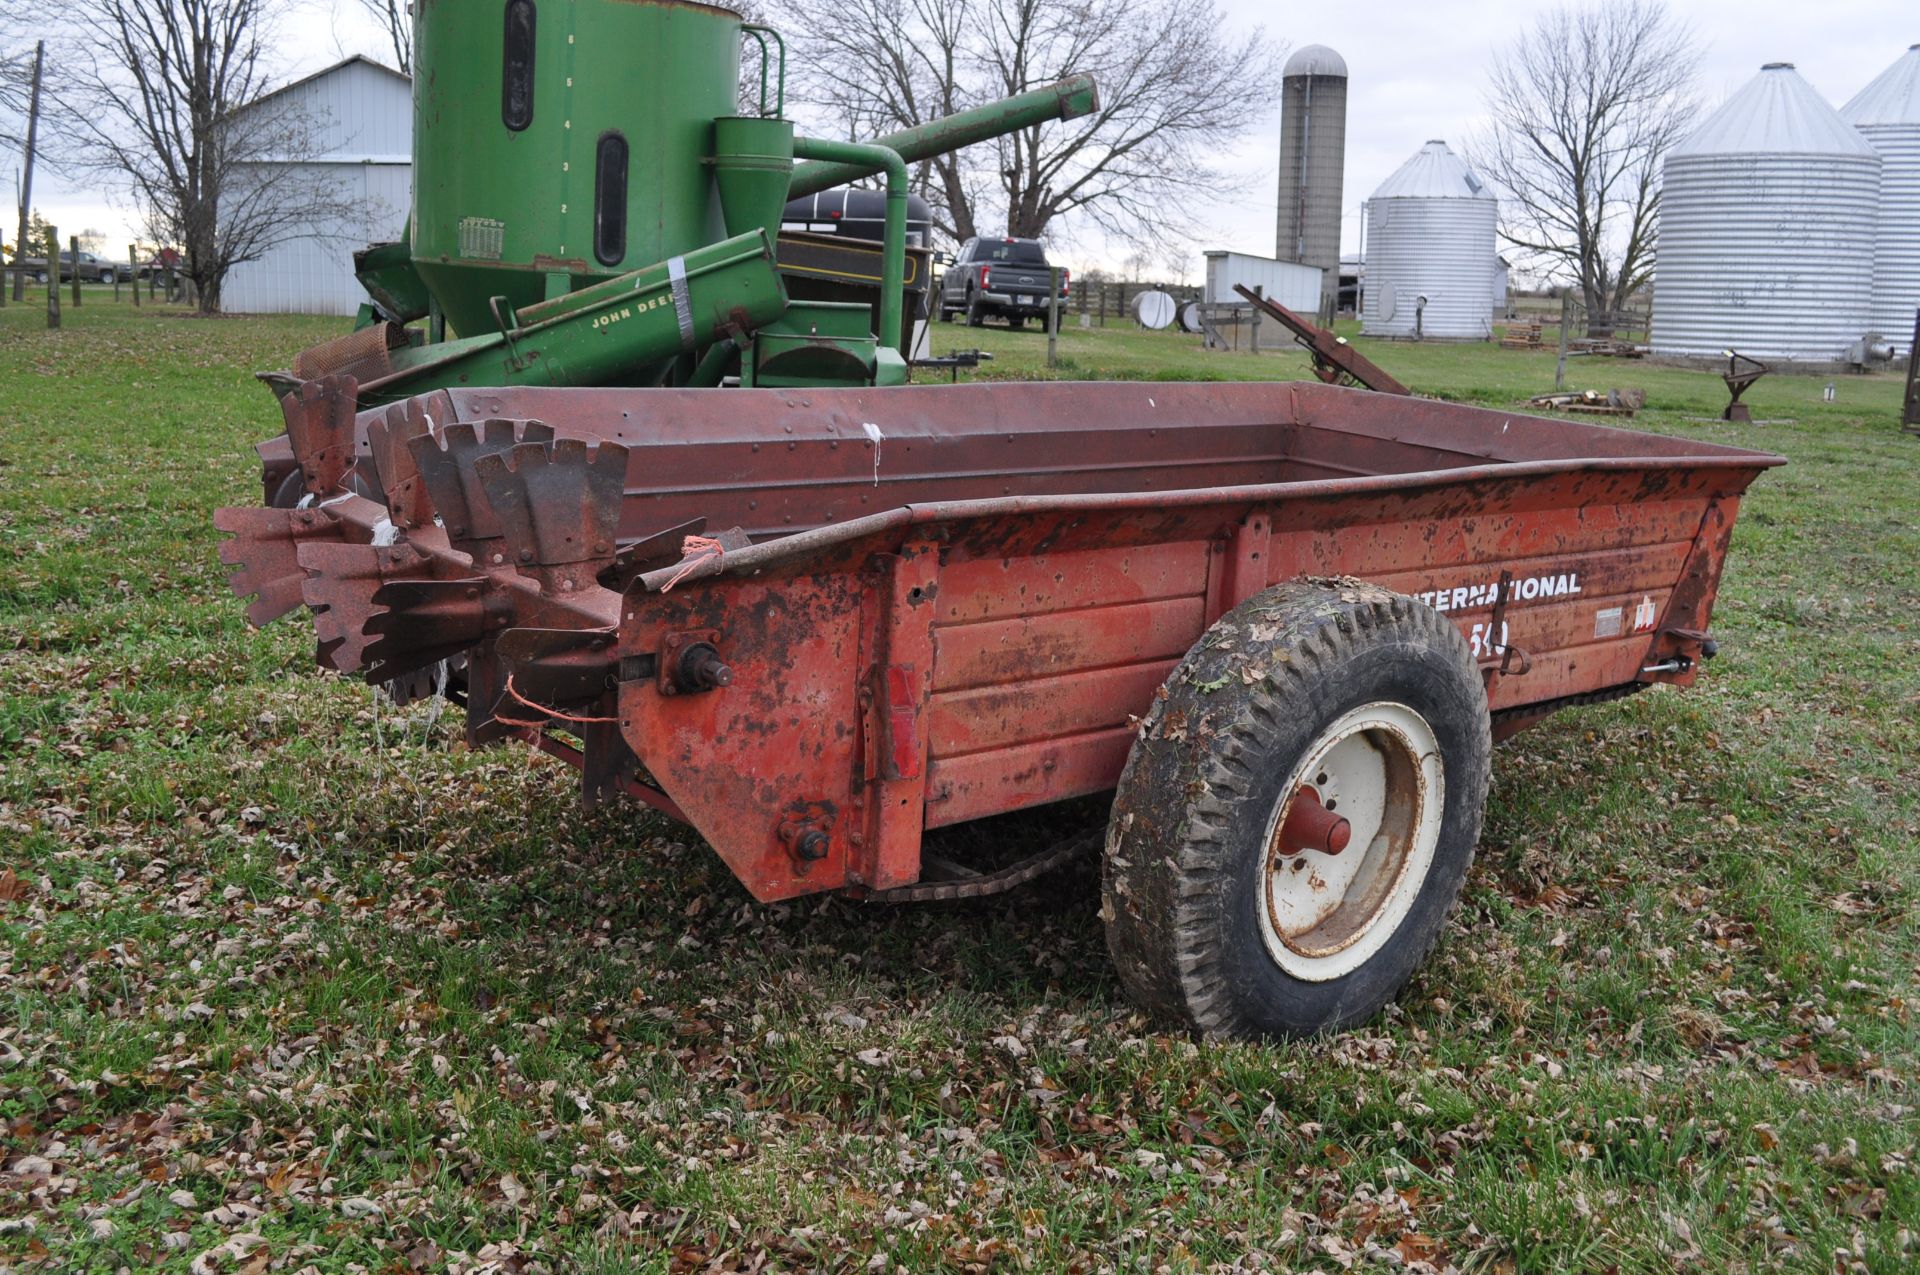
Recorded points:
92,269
1004,277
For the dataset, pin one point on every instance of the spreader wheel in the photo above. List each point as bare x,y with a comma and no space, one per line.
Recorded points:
1298,813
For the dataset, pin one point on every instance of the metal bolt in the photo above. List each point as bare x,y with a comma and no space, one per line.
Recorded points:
811,845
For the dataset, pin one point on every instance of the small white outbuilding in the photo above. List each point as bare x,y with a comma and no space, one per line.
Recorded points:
359,116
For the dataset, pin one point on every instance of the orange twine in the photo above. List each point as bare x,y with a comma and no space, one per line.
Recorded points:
542,708
694,550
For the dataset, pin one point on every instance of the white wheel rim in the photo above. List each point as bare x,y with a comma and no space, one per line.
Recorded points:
1325,915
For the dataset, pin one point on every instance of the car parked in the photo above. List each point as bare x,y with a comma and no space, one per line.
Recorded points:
998,277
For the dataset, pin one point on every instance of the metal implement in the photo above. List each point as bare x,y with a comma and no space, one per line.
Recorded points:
932,604
1741,373
1335,361
586,172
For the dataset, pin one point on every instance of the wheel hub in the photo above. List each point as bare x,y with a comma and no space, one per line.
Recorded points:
1351,840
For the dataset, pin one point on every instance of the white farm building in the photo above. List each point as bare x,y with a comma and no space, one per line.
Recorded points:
357,116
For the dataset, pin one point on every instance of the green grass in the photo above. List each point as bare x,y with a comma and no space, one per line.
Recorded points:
291,965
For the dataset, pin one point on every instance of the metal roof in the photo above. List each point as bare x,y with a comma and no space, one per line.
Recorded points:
1434,172
1315,59
1775,113
1892,98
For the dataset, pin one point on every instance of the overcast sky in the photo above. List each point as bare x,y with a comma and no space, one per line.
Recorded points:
1417,70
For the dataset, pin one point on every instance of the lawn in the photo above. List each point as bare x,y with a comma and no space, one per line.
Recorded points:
291,980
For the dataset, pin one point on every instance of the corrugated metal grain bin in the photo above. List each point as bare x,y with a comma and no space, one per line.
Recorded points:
1430,251
1766,229
1887,113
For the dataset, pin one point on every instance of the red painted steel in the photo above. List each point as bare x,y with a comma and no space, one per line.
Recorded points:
937,604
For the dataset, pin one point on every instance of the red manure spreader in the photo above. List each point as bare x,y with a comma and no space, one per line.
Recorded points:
1282,623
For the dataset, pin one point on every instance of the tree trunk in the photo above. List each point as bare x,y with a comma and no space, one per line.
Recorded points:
1599,312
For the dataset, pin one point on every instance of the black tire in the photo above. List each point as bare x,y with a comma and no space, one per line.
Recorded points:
1186,894
1015,322
946,313
976,310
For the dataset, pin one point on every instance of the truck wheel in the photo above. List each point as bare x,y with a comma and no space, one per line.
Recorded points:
1298,813
976,311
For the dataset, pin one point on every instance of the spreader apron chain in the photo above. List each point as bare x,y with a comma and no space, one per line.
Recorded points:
988,883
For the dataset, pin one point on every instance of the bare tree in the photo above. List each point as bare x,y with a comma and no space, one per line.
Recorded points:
171,97
396,19
1585,105
1173,88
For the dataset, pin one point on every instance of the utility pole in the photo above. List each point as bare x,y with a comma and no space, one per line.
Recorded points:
26,176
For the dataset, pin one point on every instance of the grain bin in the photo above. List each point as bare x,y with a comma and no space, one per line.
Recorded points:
1766,229
1887,113
1313,160
1430,251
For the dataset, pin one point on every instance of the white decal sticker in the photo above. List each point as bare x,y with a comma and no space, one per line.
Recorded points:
1527,589
1644,615
1480,638
1607,623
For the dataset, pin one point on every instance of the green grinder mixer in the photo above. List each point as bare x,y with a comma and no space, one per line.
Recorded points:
593,206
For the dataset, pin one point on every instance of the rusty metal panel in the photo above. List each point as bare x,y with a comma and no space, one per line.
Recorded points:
778,746
1017,649
1043,708
981,784
997,588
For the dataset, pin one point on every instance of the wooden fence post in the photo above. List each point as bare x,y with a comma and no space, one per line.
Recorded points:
133,265
1566,316
73,251
53,278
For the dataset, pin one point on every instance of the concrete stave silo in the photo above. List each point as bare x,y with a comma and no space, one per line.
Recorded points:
1887,113
1430,251
1766,229
1313,151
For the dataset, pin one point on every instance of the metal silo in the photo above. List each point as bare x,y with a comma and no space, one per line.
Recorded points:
1887,113
1766,229
1313,157
1430,251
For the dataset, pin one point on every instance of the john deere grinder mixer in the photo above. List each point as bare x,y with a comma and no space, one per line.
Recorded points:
823,613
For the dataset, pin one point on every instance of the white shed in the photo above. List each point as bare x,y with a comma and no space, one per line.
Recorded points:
1293,285
361,114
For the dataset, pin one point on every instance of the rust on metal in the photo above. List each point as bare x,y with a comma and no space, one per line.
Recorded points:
1335,361
934,604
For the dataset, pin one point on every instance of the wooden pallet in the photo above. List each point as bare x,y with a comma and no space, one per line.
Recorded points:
1521,338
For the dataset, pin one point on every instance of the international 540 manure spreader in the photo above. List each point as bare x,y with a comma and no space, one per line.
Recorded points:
1283,624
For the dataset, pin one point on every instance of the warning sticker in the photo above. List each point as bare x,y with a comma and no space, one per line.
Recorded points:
482,238
1608,621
